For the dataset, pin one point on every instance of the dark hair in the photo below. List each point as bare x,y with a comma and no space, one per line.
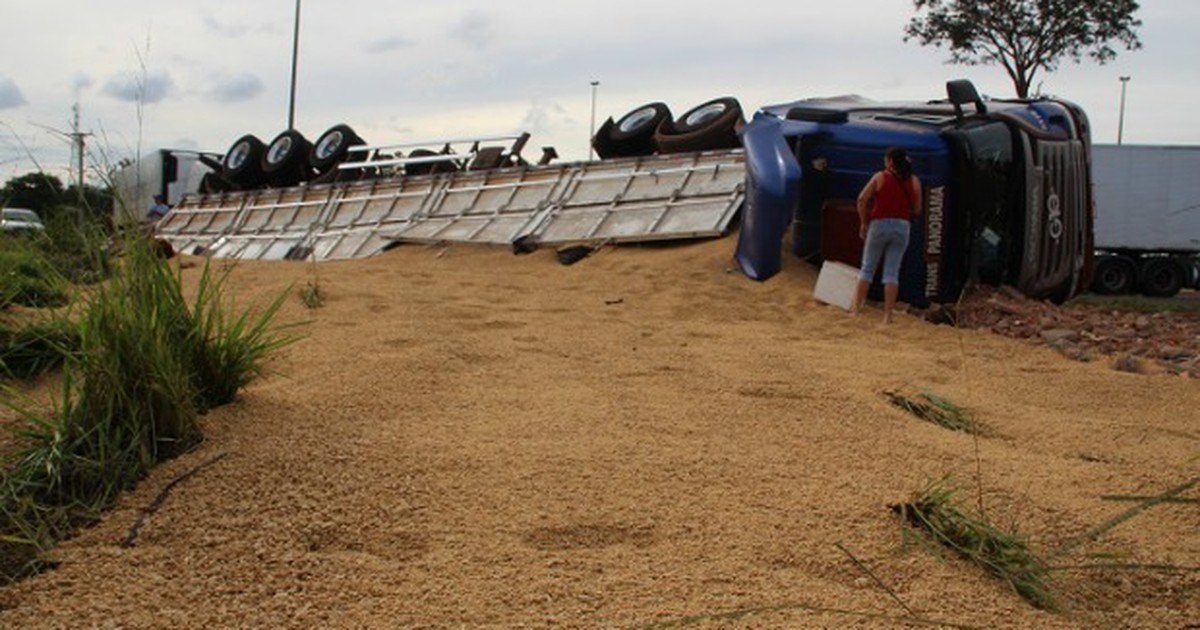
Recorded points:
900,162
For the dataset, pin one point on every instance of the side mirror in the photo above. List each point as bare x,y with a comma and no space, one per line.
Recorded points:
962,91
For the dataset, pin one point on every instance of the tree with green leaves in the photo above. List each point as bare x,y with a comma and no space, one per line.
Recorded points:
35,191
45,195
1025,36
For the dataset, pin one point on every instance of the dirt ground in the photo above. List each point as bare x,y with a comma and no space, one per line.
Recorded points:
472,439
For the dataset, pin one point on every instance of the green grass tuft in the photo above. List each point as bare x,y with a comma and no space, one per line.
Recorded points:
937,409
311,296
33,348
77,245
27,278
147,364
1005,555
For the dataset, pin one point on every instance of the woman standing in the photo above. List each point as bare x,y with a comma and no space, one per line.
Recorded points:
896,194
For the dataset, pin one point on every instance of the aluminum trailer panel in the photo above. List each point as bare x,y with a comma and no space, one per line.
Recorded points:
635,199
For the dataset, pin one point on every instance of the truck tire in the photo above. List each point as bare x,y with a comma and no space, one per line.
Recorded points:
212,184
285,162
1193,267
1115,275
709,126
1162,277
333,147
242,165
633,134
429,168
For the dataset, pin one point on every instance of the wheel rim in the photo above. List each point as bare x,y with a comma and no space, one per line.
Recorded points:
279,150
704,114
238,156
1162,279
328,145
637,119
1112,277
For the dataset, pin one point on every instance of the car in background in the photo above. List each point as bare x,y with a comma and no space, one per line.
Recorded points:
20,220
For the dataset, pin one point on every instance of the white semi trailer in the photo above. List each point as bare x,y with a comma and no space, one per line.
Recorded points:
171,173
1147,219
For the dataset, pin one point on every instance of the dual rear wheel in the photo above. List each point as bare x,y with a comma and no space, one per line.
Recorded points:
289,159
1159,276
650,129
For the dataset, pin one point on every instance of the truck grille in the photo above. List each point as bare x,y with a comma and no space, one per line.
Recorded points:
1058,221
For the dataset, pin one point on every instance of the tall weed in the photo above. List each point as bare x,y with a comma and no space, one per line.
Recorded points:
227,350
27,278
76,243
147,364
31,348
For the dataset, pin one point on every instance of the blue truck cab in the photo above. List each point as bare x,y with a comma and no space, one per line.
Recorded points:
1006,189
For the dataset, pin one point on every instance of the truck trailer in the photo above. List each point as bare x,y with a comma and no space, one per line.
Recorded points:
1007,189
1147,219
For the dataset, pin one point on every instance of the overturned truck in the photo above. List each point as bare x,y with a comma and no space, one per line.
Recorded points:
1007,190
1006,185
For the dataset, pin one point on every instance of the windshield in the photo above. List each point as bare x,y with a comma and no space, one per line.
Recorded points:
990,184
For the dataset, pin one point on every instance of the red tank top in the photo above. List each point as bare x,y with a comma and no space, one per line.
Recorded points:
891,200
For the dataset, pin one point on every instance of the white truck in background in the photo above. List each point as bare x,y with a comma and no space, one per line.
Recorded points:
171,173
1147,235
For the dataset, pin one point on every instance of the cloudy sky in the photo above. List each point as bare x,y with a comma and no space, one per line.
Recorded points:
199,74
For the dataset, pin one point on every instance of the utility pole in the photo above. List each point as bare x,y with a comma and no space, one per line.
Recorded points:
78,147
295,58
592,127
1121,116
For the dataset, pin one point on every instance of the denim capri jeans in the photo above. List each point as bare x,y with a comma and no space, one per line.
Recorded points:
889,238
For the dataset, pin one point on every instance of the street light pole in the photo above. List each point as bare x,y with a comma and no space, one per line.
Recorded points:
295,57
592,128
1121,116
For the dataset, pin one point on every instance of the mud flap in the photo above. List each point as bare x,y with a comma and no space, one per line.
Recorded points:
772,192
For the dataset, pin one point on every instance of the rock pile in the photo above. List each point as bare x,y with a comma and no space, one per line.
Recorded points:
1131,340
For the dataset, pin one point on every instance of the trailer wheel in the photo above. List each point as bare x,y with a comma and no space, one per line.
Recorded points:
333,147
212,184
641,122
633,134
706,115
708,126
1162,277
242,162
285,161
428,168
1115,275
1193,267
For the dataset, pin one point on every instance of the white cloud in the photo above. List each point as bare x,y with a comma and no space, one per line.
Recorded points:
10,94
402,71
474,29
234,89
151,87
81,82
388,44
222,29
546,118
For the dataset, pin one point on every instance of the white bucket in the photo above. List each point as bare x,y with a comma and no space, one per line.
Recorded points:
835,284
